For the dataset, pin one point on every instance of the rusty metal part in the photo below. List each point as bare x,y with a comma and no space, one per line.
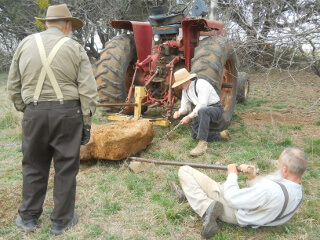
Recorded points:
194,165
117,104
227,85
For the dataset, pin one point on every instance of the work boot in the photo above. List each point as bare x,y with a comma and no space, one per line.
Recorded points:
210,226
225,135
199,149
27,225
58,228
178,192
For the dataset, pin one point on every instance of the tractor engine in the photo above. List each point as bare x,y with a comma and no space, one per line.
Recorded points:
162,54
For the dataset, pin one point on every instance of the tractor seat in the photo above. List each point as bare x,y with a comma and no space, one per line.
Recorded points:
171,29
162,20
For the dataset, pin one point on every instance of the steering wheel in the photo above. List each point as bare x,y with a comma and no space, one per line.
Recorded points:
179,8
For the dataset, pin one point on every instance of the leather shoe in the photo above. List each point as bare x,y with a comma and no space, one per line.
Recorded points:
225,135
58,228
210,226
28,225
178,192
200,149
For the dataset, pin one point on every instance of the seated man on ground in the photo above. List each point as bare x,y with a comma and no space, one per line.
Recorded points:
269,201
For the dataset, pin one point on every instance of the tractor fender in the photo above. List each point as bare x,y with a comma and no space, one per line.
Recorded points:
192,29
142,32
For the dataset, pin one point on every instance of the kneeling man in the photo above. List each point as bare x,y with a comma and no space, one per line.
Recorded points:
208,109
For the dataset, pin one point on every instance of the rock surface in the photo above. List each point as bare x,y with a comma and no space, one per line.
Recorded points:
117,140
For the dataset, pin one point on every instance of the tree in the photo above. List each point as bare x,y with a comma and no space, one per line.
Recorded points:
96,14
275,33
14,27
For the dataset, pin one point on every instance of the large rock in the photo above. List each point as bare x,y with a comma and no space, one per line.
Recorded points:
117,140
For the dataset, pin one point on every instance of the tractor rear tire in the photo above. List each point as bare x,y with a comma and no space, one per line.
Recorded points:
115,70
215,61
243,87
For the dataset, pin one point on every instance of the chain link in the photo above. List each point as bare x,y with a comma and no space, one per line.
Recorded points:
167,134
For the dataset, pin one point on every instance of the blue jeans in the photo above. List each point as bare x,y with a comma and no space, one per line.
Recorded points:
201,124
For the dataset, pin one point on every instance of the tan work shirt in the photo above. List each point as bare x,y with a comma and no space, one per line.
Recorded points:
71,67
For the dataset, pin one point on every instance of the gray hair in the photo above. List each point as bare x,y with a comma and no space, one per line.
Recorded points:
295,159
50,23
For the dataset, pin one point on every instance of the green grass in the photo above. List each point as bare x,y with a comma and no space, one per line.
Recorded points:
94,231
138,185
288,127
280,105
313,147
165,154
115,204
9,120
111,208
252,104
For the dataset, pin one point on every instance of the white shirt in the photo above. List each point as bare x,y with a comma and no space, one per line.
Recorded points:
260,204
207,95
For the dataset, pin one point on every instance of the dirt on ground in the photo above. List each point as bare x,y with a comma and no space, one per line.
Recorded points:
291,100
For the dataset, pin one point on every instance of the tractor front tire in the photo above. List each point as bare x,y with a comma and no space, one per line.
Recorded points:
215,61
115,69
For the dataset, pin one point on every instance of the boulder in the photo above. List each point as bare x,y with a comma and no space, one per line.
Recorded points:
117,140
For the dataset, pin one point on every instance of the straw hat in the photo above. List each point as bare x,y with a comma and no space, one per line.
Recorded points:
61,12
181,76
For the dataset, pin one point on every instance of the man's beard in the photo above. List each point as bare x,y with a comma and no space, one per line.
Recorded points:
275,177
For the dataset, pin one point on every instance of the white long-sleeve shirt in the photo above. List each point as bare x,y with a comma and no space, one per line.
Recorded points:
207,95
260,204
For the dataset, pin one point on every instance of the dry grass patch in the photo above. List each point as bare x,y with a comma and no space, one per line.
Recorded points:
115,204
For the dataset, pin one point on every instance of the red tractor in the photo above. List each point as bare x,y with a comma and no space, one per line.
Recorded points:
152,51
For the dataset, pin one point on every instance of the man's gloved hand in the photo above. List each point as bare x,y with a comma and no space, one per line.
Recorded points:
85,134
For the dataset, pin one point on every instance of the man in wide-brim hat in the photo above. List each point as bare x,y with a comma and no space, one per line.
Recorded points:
208,109
61,12
52,83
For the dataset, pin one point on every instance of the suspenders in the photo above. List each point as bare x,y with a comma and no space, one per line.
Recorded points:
195,89
286,199
46,68
196,93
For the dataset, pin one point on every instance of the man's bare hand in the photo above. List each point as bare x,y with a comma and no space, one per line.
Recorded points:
249,170
176,115
232,168
185,120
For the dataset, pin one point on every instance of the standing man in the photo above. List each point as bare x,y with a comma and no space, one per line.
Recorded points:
269,201
52,83
208,109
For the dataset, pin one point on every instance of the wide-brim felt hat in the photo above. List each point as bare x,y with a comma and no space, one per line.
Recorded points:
181,76
61,12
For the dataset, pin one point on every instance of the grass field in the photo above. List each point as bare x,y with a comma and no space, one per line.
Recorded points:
114,203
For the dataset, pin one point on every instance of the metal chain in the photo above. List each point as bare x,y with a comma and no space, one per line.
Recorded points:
167,134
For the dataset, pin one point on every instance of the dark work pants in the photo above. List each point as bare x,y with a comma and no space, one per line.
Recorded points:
50,131
201,124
